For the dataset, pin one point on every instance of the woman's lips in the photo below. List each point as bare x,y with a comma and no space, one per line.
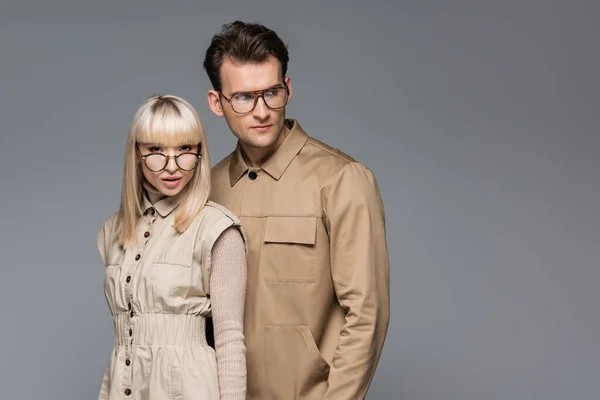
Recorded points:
171,182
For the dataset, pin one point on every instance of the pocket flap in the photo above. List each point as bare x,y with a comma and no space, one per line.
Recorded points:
290,230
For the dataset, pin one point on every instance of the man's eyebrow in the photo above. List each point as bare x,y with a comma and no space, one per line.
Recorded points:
254,91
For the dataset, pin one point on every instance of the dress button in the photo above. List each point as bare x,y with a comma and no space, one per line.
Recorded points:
146,234
131,332
127,392
152,211
129,306
128,279
252,175
131,314
138,256
127,362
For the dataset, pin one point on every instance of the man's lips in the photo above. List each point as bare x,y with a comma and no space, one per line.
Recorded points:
262,127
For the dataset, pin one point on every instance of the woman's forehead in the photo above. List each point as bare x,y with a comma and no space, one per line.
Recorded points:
165,144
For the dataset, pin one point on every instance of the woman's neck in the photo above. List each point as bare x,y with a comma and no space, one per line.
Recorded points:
154,194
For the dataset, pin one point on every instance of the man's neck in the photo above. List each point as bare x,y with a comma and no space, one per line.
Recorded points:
255,157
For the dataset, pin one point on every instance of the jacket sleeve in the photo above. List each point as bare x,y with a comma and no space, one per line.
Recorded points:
360,270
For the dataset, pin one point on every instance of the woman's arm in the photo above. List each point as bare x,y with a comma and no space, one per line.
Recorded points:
228,293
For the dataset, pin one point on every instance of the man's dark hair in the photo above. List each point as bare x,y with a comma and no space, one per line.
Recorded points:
246,43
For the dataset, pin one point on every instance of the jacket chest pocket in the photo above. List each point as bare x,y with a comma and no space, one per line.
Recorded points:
171,268
288,250
170,280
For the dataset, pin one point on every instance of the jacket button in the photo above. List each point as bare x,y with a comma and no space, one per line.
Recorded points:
252,175
128,279
131,314
146,234
129,306
131,332
127,362
127,392
138,256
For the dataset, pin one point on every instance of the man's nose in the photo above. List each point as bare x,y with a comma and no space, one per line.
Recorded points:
261,111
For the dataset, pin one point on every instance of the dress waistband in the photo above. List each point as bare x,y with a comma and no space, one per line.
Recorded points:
160,329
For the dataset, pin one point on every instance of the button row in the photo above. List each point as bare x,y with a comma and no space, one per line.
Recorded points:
127,391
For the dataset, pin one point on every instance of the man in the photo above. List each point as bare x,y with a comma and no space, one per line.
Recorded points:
317,306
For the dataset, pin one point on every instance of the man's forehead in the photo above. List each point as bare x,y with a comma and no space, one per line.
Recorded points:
248,76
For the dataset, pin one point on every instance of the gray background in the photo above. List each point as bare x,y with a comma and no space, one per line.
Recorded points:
479,119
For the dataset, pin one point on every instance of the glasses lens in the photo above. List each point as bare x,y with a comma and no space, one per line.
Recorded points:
276,98
156,162
187,161
243,102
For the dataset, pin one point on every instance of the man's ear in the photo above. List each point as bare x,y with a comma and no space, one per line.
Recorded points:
288,82
214,102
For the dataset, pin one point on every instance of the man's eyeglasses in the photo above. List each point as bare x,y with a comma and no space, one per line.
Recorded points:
156,162
245,102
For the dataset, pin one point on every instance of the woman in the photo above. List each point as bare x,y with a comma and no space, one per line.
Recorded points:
172,258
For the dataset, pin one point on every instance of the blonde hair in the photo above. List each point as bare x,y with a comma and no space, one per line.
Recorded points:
171,122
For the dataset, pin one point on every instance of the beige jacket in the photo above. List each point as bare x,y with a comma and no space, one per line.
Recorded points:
317,301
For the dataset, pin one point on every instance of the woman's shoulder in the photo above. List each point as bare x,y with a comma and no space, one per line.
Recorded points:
105,237
217,211
214,220
107,229
110,223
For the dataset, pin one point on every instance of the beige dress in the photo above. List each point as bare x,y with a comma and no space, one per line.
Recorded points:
159,295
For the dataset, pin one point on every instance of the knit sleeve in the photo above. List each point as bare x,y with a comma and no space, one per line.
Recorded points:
228,292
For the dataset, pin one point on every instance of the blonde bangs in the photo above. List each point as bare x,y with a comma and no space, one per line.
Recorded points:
168,124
